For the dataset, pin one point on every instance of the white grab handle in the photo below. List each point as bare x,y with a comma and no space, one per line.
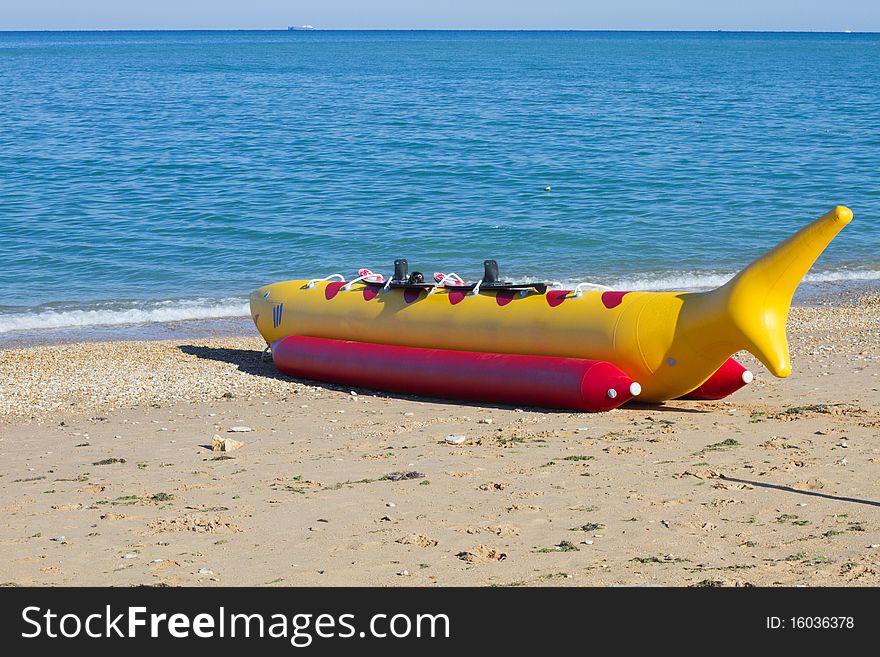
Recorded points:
315,281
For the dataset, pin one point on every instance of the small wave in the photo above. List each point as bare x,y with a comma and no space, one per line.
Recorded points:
705,281
688,281
107,315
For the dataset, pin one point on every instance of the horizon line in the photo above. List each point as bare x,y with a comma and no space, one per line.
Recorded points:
435,29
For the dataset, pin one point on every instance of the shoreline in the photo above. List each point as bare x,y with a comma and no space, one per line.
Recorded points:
809,295
108,477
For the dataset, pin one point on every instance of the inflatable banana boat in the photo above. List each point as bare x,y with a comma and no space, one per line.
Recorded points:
530,344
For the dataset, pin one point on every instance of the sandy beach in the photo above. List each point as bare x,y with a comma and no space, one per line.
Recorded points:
107,475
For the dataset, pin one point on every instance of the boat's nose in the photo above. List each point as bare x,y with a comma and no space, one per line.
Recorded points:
261,305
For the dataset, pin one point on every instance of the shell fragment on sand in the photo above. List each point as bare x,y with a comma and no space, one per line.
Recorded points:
219,444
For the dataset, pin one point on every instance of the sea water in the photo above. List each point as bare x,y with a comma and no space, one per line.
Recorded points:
150,180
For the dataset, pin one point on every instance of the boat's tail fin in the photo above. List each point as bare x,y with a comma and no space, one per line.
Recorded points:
757,299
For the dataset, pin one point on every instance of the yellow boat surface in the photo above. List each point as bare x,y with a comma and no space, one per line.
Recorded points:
670,342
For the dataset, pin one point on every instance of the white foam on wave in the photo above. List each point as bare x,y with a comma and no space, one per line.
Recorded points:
143,313
704,281
688,281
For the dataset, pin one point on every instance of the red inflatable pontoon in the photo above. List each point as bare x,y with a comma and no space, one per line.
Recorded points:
584,385
729,378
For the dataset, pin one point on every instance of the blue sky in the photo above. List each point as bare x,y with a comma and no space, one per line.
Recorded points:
825,15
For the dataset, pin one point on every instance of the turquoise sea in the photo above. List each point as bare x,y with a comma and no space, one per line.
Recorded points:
150,180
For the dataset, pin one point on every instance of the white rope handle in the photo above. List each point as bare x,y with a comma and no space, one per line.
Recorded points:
579,292
476,289
315,281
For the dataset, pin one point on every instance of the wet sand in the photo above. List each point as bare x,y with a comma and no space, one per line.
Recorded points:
107,475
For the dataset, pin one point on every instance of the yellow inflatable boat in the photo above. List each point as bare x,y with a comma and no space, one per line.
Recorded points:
668,342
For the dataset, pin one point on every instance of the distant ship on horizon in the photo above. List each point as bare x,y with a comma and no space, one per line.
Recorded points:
292,28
